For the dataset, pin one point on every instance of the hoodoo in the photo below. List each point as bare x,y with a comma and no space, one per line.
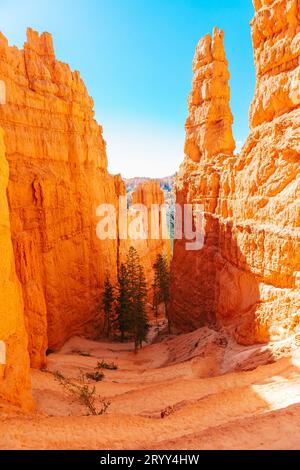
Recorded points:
246,277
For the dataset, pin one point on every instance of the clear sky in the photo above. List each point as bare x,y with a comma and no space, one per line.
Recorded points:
135,57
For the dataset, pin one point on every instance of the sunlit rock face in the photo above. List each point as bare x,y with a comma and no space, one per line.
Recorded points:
246,277
14,358
58,177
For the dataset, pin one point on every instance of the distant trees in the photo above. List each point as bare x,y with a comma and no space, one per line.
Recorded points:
131,299
161,286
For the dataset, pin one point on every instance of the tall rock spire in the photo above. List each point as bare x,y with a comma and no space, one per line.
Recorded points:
209,125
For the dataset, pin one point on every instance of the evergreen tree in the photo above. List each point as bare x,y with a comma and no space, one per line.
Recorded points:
161,286
156,294
141,320
137,289
108,300
123,301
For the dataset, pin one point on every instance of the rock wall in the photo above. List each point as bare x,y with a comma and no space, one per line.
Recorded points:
246,277
14,369
58,176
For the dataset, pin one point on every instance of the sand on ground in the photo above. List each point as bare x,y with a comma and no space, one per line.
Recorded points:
194,391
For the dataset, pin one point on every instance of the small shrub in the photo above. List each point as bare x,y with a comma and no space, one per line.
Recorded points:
96,376
106,365
85,394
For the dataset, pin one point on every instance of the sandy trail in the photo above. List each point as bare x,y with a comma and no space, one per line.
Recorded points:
215,397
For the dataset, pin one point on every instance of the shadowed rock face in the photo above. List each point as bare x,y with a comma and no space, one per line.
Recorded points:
14,374
247,275
58,176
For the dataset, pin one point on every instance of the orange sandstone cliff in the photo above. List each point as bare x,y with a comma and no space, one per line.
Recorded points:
14,368
246,278
58,177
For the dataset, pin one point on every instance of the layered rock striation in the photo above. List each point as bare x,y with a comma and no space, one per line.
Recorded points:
246,277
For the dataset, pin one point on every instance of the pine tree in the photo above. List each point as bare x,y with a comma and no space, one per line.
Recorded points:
108,300
123,302
141,320
138,298
156,294
161,286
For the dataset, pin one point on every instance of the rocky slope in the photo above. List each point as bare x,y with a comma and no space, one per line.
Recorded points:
246,277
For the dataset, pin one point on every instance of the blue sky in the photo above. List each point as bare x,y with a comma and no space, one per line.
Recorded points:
135,57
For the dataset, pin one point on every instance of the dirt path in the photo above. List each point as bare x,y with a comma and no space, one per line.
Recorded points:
206,407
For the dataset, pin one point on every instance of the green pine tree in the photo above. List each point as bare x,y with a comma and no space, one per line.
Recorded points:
161,285
123,302
156,294
141,320
137,289
108,300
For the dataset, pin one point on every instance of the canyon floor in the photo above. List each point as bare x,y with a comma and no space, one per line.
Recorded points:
195,391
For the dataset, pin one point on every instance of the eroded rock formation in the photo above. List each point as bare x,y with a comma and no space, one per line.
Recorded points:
246,277
14,365
58,176
209,125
